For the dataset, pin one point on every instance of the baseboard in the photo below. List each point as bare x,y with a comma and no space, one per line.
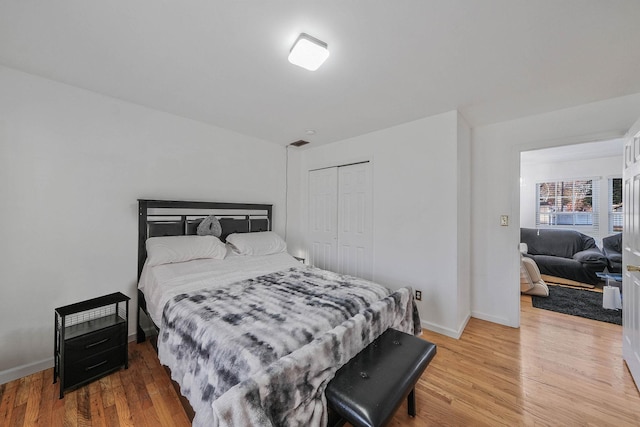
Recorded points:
493,319
463,325
24,370
441,330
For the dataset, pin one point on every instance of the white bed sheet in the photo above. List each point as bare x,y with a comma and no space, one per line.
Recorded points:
162,282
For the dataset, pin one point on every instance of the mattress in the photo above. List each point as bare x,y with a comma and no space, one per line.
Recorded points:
163,282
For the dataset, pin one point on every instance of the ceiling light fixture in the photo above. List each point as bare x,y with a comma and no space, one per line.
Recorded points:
308,52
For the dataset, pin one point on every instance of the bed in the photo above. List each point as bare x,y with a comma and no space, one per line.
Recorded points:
251,335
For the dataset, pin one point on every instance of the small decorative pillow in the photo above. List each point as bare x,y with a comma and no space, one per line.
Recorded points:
167,250
590,256
210,226
260,243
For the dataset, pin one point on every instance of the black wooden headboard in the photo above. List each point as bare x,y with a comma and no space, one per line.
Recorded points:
178,218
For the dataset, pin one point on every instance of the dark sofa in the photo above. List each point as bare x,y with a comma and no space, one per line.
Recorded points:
566,254
612,249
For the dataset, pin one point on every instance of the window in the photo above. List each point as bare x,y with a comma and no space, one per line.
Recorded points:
568,203
615,205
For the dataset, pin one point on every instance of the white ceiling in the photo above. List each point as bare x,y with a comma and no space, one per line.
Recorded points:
225,62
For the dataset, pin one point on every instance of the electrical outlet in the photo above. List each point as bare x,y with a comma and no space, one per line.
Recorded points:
419,295
504,220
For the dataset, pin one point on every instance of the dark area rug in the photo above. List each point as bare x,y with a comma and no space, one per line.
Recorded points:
577,302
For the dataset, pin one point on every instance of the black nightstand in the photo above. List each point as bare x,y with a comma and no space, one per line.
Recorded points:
90,340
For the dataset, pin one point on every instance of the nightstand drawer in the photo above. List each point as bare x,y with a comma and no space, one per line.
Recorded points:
95,342
85,369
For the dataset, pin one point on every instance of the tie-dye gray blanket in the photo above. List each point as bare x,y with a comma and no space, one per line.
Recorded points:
261,351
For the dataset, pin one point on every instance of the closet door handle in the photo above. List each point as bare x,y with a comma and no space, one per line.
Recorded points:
633,268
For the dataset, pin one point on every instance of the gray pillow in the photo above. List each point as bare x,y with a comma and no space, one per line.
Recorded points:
590,256
210,226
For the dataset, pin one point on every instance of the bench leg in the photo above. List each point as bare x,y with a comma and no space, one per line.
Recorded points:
411,402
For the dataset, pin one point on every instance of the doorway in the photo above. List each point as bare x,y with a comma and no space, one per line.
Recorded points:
549,182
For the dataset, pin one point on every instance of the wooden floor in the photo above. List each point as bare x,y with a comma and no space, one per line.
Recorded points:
556,370
139,396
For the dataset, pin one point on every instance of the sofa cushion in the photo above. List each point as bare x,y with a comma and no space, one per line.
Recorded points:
614,256
612,243
591,256
612,248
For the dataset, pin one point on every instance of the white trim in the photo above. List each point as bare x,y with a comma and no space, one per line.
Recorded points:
446,331
494,319
24,370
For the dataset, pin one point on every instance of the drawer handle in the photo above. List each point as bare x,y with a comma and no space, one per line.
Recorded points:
88,368
97,343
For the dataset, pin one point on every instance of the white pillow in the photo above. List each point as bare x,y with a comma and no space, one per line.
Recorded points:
166,250
260,243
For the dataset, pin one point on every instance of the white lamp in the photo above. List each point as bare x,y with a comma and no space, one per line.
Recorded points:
308,52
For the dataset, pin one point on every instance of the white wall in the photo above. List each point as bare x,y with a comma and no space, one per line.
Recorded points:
495,164
416,169
601,169
72,164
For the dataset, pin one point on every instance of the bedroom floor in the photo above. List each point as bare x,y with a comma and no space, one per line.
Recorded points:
555,370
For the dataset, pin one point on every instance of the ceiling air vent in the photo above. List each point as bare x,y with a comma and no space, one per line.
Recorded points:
299,143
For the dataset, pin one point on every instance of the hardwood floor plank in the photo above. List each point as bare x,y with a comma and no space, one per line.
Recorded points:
136,378
47,399
95,402
22,392
17,416
151,417
57,414
33,400
120,398
111,416
71,409
106,392
164,413
84,407
132,397
7,402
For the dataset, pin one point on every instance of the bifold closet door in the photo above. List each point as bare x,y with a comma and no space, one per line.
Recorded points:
340,219
323,218
354,221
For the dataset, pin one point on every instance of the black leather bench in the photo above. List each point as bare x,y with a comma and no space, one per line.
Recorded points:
369,388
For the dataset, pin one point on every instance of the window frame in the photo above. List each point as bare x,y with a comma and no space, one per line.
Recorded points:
615,217
583,220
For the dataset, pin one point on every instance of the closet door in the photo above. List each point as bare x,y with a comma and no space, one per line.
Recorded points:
323,218
354,221
340,222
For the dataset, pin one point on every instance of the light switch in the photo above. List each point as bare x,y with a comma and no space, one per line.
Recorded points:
504,220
